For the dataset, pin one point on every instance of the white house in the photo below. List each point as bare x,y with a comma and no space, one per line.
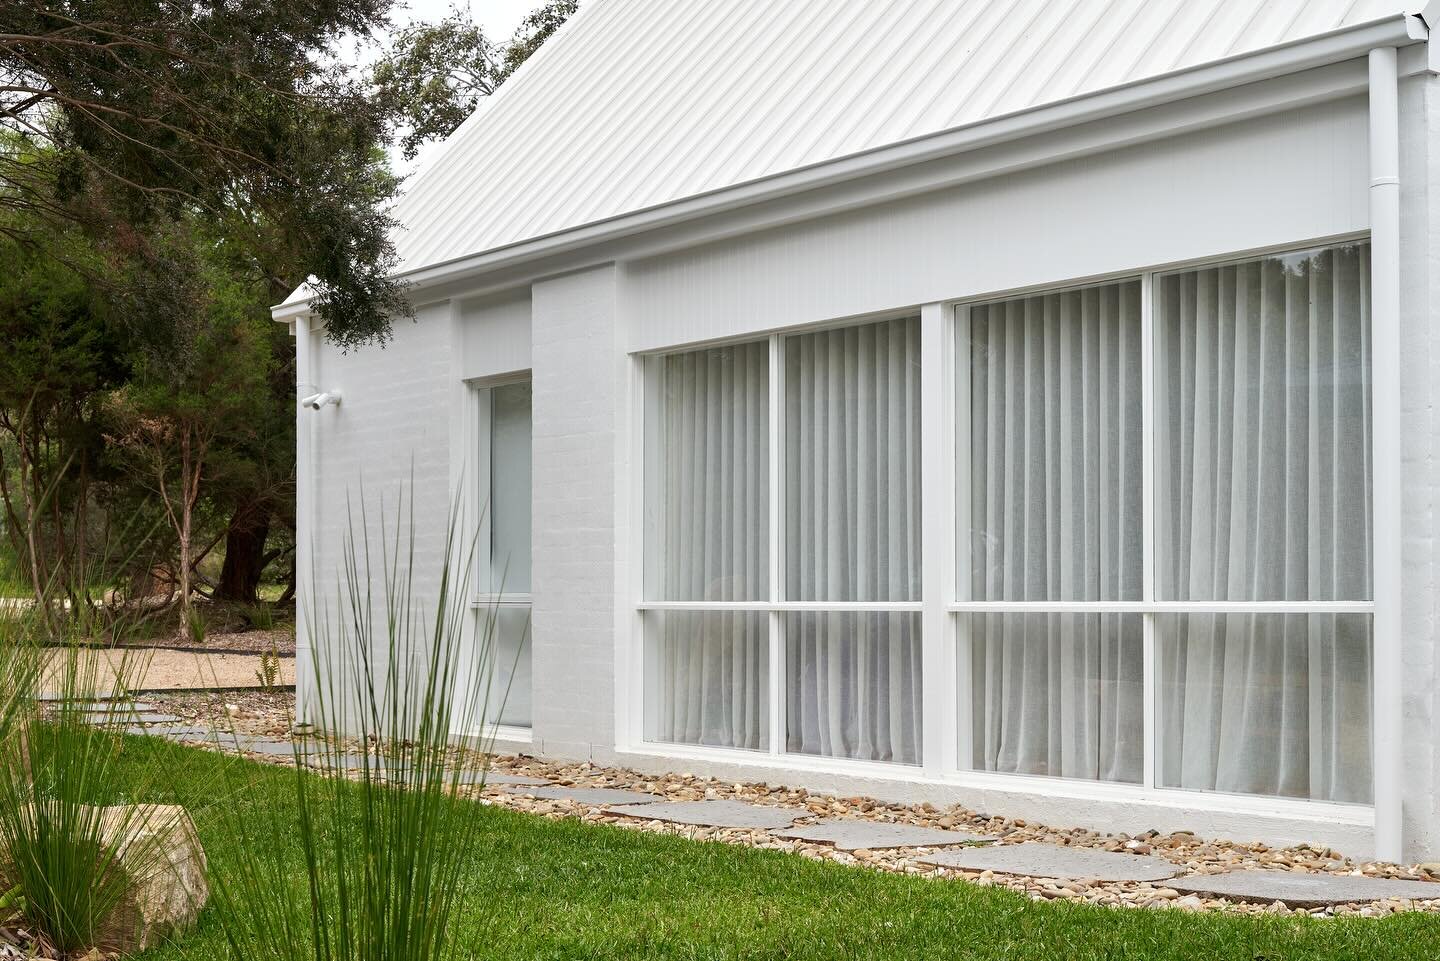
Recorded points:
1028,404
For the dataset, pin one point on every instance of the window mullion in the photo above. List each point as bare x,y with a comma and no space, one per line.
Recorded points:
958,493
937,674
1150,667
777,543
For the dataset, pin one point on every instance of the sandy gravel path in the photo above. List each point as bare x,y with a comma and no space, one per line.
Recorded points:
172,670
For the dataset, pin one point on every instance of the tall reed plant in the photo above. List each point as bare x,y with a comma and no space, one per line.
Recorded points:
385,838
69,826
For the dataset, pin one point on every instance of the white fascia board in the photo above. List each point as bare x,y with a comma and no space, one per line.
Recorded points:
1347,43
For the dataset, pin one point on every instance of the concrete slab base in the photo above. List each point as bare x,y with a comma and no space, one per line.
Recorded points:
712,814
1304,890
1039,860
851,834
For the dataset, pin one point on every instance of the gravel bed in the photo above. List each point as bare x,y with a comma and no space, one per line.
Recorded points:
269,714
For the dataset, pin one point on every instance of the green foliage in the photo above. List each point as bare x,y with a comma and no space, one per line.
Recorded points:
436,73
261,616
269,672
126,115
64,347
195,626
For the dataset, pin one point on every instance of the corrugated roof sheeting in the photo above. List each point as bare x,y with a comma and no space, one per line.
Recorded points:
639,102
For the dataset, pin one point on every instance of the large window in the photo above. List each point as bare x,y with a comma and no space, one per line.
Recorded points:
783,544
502,601
1157,512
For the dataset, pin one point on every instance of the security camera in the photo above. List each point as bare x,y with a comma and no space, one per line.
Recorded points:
317,401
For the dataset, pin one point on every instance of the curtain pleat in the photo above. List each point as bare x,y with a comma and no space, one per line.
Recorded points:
1055,515
1264,495
852,509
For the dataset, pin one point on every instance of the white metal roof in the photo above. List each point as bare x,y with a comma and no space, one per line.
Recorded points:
636,103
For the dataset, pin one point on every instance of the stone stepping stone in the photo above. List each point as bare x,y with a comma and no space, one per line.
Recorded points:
137,717
593,795
498,779
852,834
1303,890
104,707
355,762
281,748
180,733
1039,860
711,814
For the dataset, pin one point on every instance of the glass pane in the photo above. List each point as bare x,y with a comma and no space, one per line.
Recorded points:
1263,404
509,701
852,463
1052,444
510,489
853,685
1274,704
1060,695
707,486
707,678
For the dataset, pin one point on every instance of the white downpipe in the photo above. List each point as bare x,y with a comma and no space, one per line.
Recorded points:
1386,451
304,519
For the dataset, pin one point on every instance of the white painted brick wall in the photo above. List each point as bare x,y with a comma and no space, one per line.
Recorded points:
1420,392
573,349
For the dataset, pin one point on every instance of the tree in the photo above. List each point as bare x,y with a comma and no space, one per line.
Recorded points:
146,112
436,73
63,351
186,410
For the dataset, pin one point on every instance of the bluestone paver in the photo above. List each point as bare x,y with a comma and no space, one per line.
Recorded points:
592,795
852,834
497,778
1303,890
712,814
129,717
1039,860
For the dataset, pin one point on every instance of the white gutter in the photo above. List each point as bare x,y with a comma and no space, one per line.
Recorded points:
1388,674
1348,43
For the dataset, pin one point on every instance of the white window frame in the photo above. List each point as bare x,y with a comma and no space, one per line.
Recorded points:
482,597
776,604
945,652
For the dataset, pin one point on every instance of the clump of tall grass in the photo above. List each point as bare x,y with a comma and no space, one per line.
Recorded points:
386,848
65,798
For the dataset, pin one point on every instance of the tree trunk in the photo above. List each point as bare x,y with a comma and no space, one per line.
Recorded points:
244,562
184,535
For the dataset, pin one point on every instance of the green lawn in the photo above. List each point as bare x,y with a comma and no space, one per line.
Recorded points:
566,890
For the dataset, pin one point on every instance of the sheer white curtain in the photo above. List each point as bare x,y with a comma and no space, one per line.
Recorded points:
510,552
852,516
1054,514
1263,467
708,498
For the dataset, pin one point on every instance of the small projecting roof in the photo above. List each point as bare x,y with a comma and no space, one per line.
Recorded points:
637,103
